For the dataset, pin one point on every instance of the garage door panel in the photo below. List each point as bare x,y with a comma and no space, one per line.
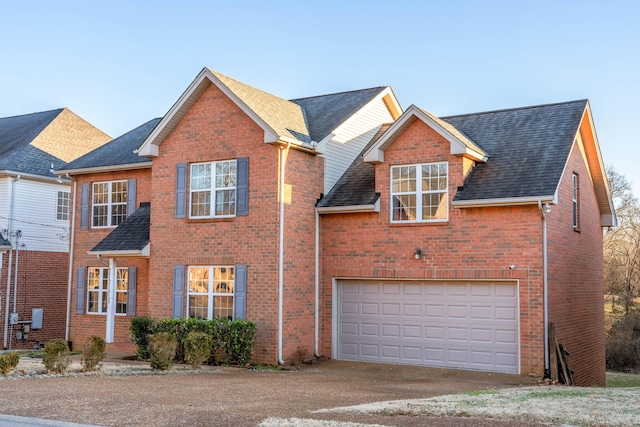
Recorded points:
462,325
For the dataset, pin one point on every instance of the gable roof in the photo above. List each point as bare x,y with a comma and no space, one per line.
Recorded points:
529,148
119,153
326,112
130,238
281,120
16,152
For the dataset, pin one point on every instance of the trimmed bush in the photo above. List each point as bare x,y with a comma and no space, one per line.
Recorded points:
197,348
8,362
162,350
140,330
232,341
623,344
93,353
56,356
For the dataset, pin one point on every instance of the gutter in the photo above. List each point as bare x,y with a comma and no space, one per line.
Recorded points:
281,253
350,209
511,201
72,245
98,169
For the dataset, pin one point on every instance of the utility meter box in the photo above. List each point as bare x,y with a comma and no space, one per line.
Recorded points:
36,318
13,319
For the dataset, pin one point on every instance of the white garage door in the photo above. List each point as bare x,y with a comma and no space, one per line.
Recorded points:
455,325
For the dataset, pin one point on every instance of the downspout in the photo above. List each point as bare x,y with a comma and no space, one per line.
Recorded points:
71,250
15,273
281,255
545,293
9,230
111,302
317,285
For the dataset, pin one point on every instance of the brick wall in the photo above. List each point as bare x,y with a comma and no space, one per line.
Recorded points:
576,276
84,325
475,243
42,283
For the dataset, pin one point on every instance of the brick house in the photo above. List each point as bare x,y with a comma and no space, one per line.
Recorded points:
34,218
346,227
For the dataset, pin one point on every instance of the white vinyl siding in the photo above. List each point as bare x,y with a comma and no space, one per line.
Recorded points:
35,216
350,139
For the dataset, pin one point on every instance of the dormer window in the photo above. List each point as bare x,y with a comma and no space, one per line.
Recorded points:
419,193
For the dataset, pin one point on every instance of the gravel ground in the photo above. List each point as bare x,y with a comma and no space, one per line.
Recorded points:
128,393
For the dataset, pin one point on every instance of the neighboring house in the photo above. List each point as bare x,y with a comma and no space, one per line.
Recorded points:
433,244
34,218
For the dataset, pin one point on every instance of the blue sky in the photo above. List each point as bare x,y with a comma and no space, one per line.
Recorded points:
118,63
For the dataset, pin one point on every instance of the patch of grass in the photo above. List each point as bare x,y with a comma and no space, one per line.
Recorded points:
619,379
481,392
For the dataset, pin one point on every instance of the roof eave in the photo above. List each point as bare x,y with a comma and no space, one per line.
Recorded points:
34,177
99,169
507,201
131,253
375,207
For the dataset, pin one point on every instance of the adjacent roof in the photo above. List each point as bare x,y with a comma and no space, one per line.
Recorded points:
326,112
118,152
16,135
528,149
526,153
131,238
5,245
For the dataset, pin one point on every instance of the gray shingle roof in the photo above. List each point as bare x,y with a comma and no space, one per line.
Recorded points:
118,151
131,235
528,149
326,112
4,243
356,187
16,135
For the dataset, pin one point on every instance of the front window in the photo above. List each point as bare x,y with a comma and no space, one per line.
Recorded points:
213,189
419,192
98,290
210,292
109,203
62,206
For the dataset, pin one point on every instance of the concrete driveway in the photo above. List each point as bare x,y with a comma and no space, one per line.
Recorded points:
239,397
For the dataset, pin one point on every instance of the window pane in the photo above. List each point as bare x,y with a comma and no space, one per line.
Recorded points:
118,214
434,206
198,306
201,203
101,192
404,179
225,174
121,303
199,279
404,208
119,192
201,176
226,202
223,307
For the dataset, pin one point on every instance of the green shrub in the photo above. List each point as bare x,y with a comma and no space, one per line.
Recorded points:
8,362
140,330
239,342
93,353
197,348
56,356
623,344
162,350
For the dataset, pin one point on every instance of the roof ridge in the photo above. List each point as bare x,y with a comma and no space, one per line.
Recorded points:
339,93
528,107
34,113
217,74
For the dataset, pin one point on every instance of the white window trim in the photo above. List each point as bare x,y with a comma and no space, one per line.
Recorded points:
418,193
212,190
103,293
211,294
109,203
68,206
575,200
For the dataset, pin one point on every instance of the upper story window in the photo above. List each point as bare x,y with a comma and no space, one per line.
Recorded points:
213,189
211,292
62,206
576,201
109,203
419,193
98,290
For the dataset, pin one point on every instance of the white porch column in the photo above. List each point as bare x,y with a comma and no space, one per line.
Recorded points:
111,301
